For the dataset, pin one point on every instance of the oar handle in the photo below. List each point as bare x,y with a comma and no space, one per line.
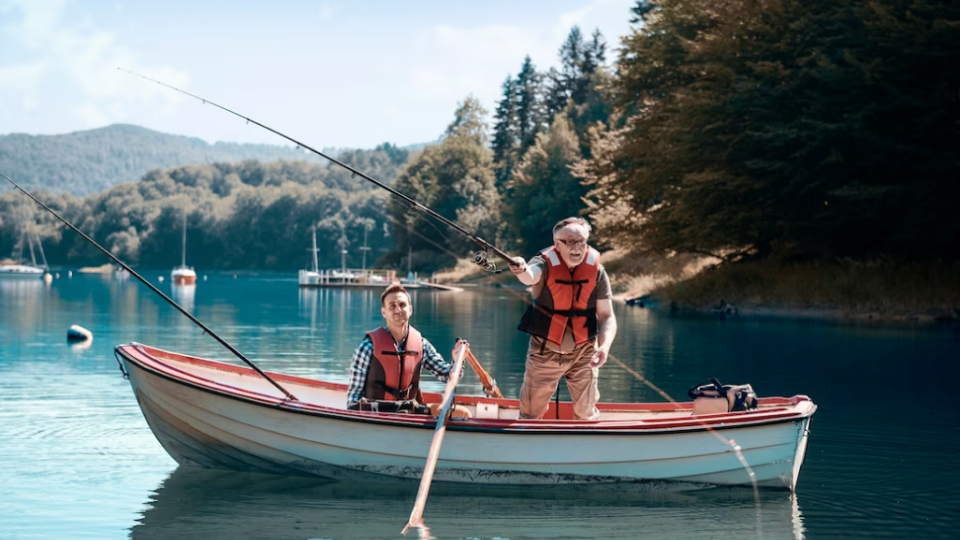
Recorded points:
416,516
489,385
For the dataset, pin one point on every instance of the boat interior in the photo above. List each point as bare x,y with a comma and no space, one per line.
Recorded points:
316,394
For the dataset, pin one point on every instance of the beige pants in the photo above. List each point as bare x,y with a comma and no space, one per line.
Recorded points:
543,374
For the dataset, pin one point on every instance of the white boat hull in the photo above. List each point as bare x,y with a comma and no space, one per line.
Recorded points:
20,271
209,428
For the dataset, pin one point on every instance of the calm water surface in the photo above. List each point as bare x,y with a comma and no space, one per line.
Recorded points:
77,459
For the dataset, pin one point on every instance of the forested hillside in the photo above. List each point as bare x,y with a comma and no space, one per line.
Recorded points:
90,161
247,215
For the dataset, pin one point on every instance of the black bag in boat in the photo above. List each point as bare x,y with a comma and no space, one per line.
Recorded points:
403,406
712,397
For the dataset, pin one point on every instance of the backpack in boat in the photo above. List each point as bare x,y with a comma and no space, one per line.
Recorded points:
710,397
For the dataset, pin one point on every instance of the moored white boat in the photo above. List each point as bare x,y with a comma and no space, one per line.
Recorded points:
217,415
183,274
20,271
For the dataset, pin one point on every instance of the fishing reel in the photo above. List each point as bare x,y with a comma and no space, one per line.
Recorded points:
480,257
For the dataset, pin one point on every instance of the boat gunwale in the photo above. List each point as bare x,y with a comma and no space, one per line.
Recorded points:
153,363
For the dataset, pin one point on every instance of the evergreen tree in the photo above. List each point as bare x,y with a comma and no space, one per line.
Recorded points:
640,9
529,110
506,139
556,94
543,189
802,128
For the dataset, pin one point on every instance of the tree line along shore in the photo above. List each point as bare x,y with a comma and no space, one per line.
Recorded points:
742,154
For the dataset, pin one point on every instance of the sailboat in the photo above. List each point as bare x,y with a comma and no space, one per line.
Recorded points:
183,274
12,269
311,277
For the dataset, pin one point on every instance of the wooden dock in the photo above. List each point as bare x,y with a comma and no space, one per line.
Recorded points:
369,279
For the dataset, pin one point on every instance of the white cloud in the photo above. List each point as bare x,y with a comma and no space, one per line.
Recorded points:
475,59
83,61
328,10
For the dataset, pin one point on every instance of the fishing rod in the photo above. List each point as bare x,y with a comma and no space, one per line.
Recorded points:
154,289
480,257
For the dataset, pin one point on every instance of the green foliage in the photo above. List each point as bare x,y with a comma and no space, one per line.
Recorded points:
247,215
543,190
454,178
805,128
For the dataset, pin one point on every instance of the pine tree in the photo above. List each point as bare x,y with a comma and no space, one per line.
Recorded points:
530,114
640,9
543,189
801,128
506,140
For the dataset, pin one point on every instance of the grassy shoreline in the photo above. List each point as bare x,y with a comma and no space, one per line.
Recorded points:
864,291
847,290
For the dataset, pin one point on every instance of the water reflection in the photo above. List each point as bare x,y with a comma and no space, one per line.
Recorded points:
81,345
199,503
21,288
183,295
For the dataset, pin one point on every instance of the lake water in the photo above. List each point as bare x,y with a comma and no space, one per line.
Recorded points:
77,459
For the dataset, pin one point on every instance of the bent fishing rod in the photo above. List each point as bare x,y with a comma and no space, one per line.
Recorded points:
479,257
154,289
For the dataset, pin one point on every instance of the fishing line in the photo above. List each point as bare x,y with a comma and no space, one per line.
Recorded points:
154,289
486,246
728,442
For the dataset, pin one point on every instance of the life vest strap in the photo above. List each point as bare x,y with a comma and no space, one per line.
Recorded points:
564,312
400,353
578,282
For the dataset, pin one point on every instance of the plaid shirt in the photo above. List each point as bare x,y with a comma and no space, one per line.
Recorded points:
360,366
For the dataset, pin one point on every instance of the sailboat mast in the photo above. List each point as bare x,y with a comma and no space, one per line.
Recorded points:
316,267
183,258
33,257
42,255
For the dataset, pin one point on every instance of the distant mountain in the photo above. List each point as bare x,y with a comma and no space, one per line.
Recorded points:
85,162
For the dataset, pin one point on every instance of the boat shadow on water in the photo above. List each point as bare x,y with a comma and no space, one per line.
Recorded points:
210,504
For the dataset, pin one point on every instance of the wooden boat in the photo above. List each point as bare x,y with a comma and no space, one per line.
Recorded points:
217,415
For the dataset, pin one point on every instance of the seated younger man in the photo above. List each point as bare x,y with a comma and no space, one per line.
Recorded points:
386,366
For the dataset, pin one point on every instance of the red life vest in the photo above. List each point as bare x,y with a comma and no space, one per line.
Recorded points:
394,374
567,299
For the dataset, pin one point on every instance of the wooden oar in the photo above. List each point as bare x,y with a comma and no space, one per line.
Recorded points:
489,385
416,516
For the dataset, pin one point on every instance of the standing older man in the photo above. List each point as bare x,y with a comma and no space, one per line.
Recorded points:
571,321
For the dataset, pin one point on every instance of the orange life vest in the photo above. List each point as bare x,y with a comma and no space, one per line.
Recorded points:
394,373
567,299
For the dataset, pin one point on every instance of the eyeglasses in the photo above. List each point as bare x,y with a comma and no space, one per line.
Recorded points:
572,243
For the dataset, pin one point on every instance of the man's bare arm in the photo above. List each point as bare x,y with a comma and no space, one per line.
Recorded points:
527,274
607,331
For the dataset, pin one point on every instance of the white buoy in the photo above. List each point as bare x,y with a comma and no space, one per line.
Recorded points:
160,279
204,278
47,278
69,273
78,333
57,275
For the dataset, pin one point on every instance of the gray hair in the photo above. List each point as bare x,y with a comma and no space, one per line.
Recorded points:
572,221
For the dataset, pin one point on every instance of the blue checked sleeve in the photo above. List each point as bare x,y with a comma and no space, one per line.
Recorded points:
359,367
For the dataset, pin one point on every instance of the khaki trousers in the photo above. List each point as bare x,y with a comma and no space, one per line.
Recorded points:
543,372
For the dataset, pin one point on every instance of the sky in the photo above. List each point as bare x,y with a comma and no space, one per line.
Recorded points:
330,73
